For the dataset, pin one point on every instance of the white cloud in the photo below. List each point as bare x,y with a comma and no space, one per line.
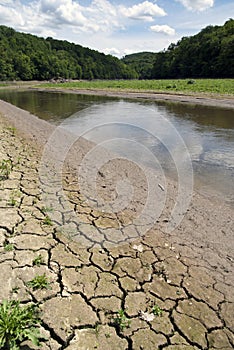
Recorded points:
63,11
197,5
144,11
165,29
111,51
38,16
128,51
104,24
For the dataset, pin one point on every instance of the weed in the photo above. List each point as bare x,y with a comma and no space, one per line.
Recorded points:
8,247
47,210
39,282
38,260
15,290
121,321
18,323
97,329
6,167
47,221
156,310
12,202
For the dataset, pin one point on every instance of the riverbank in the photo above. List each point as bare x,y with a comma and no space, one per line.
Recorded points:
102,264
204,99
213,95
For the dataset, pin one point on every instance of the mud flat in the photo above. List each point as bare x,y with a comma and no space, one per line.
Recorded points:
176,288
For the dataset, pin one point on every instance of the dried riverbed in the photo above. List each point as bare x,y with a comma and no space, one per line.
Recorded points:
176,289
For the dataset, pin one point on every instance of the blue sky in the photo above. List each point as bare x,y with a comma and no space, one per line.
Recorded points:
115,26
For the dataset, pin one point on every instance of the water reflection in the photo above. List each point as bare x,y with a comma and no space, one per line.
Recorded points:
52,107
207,132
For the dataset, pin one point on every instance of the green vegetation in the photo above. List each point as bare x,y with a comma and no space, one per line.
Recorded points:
121,321
156,310
39,282
47,210
141,62
13,201
8,247
47,221
220,86
28,57
208,54
5,169
38,260
18,323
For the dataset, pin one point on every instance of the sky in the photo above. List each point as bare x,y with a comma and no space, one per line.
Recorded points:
117,27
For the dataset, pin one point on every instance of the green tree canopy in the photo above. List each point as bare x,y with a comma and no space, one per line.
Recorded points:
28,57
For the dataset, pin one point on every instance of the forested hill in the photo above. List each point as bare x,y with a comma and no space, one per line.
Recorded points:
141,62
28,57
208,54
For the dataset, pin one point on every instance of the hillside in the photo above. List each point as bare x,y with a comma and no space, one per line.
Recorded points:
28,57
208,54
141,62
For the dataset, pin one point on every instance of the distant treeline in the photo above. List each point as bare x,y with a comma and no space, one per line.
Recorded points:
209,54
28,57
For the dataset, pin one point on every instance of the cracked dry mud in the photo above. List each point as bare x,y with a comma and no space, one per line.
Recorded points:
188,274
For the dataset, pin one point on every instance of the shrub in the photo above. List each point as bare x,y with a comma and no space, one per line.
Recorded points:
18,323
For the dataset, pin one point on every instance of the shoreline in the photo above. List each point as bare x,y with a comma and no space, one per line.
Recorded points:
188,272
199,99
205,99
39,132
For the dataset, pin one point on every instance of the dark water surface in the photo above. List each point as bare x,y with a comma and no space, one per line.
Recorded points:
152,133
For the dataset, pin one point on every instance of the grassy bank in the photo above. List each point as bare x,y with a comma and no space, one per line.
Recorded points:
211,86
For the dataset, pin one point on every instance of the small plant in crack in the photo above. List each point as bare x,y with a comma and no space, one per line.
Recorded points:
12,202
39,282
15,290
121,321
97,329
47,210
156,310
18,323
6,167
38,260
8,247
47,221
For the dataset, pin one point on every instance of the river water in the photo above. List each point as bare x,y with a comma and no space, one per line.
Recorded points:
156,134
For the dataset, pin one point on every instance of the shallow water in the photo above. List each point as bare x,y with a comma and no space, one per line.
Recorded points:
159,135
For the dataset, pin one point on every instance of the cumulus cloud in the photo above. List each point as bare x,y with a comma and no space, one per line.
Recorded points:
111,51
34,16
165,29
197,5
144,11
9,13
38,16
